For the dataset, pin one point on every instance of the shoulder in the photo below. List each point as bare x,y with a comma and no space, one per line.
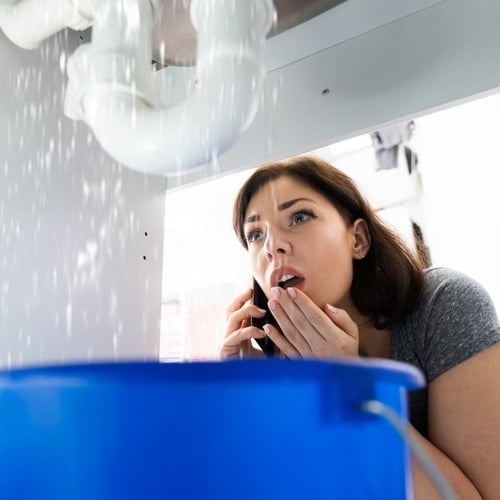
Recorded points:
454,291
437,277
457,303
457,319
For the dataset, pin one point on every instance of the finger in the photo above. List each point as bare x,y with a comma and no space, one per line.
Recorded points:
249,350
238,302
293,329
321,323
333,333
241,316
234,340
281,342
342,319
294,324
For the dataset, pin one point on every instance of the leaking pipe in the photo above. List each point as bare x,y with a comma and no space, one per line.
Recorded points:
110,84
28,23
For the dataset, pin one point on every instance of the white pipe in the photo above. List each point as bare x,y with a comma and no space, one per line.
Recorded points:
110,84
116,63
28,23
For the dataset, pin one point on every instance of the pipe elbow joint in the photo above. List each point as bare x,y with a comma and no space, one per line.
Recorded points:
231,36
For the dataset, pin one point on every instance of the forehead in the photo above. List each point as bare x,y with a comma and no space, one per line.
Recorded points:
280,190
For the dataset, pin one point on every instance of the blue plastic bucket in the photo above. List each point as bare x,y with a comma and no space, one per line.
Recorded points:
267,429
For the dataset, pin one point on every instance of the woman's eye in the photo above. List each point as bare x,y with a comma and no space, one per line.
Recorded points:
301,217
254,236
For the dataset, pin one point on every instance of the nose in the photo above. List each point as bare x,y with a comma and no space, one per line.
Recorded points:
276,244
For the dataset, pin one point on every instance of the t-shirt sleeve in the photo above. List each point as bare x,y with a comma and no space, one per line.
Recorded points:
461,322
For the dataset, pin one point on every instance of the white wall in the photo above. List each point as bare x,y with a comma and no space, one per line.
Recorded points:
79,277
459,153
204,267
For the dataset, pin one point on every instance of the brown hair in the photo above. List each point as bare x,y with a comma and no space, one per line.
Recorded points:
388,281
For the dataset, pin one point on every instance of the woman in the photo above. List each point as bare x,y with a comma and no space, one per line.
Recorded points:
341,283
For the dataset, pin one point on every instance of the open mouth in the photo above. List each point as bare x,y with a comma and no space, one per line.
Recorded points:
289,280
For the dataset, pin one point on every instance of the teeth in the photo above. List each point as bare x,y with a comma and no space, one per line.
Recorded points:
286,277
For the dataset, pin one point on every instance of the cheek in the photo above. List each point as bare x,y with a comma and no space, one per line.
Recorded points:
333,248
256,261
332,271
332,286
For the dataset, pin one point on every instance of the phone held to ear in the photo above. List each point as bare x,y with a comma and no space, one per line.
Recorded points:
260,300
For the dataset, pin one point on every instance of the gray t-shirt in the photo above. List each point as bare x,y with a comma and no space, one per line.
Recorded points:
455,320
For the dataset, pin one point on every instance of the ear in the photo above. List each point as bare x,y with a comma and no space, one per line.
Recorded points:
362,239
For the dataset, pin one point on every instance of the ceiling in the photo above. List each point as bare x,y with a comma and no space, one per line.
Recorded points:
174,37
302,28
360,66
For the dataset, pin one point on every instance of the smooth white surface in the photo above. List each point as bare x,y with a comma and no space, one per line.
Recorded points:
444,54
459,158
347,20
28,23
73,281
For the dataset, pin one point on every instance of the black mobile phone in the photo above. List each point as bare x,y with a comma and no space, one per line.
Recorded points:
260,300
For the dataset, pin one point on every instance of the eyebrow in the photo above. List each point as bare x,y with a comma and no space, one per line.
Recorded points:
281,207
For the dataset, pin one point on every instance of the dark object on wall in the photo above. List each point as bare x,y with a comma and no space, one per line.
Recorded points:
387,142
422,249
411,160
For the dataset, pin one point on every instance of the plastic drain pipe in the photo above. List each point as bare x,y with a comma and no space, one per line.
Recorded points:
28,23
110,84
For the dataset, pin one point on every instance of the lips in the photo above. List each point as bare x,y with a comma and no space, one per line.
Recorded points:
286,277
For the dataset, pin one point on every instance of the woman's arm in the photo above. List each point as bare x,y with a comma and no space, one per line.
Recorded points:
425,489
464,429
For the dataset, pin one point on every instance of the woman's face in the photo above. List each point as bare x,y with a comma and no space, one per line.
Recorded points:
296,237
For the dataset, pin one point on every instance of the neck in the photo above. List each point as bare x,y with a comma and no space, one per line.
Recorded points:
374,343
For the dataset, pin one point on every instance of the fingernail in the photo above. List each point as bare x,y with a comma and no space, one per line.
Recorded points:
332,309
272,305
266,329
292,292
276,291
